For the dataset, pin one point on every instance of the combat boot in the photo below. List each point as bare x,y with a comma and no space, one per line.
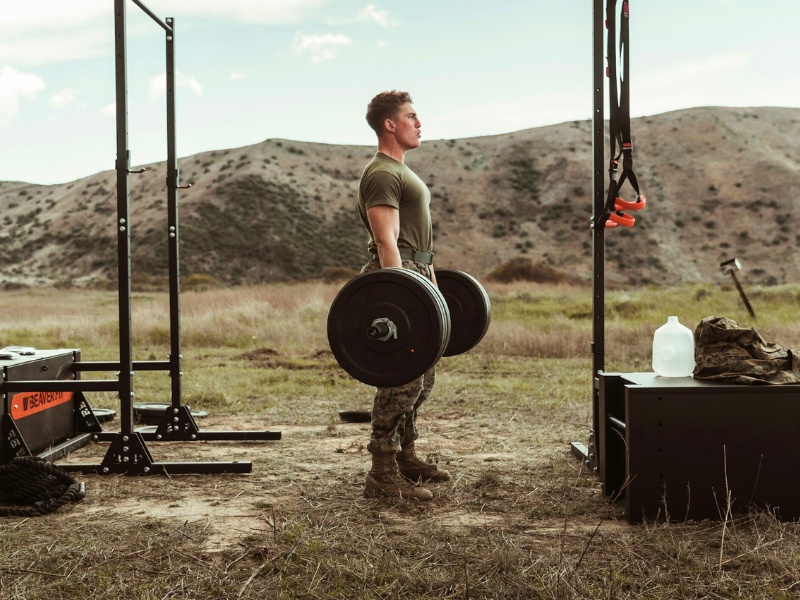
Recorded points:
384,479
413,468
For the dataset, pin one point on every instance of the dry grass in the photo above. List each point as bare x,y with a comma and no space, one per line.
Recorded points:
520,518
528,319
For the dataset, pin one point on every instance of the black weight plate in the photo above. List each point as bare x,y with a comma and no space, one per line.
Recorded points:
411,302
149,409
104,414
355,416
147,429
446,321
151,412
470,309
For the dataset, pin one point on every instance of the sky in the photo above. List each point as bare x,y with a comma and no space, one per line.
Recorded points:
305,70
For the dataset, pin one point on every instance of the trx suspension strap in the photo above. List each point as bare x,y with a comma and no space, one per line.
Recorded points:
620,121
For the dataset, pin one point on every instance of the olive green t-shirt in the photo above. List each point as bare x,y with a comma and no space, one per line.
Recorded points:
386,181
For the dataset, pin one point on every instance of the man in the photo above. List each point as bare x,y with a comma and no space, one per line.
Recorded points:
394,205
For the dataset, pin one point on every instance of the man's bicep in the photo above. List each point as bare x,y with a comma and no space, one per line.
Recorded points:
384,221
381,189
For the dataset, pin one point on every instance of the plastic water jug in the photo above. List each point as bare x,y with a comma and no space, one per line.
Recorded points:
673,350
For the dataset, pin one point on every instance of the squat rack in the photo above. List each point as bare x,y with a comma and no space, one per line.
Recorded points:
607,206
128,452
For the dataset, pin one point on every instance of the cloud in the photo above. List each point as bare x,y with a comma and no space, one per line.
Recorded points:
382,17
14,87
51,15
64,98
321,47
505,115
109,110
245,11
704,81
701,68
237,76
59,15
54,31
158,84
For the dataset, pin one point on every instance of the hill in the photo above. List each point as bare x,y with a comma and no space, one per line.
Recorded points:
720,182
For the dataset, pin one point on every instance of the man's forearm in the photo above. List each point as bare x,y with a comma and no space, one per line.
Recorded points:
388,254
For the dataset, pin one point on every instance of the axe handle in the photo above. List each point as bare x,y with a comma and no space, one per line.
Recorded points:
742,294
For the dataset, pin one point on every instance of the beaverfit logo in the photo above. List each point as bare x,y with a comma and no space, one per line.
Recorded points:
40,399
27,403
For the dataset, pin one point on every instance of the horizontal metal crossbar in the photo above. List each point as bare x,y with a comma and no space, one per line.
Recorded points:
74,385
201,435
216,436
111,365
176,468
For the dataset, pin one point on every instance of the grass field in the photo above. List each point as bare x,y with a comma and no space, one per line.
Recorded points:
521,518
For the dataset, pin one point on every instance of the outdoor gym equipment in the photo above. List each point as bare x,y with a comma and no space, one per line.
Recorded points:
389,326
608,207
67,419
674,448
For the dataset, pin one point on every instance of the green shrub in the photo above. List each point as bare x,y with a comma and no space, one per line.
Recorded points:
338,274
499,230
200,281
524,269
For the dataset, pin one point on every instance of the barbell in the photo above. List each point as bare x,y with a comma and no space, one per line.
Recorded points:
389,326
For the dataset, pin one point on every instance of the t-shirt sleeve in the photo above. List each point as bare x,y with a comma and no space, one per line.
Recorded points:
381,188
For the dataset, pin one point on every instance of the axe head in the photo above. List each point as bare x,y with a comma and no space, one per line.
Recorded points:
729,266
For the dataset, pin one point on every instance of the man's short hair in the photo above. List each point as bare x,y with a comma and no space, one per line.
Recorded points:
385,106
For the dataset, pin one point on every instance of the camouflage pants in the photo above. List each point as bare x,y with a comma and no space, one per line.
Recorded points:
394,409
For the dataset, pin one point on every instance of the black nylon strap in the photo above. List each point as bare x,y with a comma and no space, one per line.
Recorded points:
625,87
613,101
619,102
624,107
613,78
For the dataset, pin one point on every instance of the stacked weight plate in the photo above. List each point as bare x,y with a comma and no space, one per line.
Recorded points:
406,300
470,309
387,327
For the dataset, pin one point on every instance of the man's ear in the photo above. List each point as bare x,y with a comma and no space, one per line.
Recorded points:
389,124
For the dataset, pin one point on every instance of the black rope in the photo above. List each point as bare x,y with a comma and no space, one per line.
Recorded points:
36,487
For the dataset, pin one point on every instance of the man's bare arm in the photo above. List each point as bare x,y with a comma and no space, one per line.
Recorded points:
384,221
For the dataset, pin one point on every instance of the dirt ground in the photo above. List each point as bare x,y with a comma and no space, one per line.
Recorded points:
521,517
495,482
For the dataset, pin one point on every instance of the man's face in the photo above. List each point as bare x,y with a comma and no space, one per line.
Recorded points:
407,126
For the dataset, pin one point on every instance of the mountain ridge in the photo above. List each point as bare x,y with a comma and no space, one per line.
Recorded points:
720,182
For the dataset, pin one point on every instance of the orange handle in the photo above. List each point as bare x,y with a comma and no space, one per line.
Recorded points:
622,219
639,204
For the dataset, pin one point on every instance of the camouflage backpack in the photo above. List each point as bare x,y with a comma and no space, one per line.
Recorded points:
724,351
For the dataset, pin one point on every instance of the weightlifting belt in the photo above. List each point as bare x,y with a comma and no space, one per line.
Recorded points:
425,258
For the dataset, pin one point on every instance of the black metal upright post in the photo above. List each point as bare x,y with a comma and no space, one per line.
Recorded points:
598,229
123,224
128,451
590,454
173,239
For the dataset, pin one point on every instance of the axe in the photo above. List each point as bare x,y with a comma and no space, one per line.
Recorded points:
730,267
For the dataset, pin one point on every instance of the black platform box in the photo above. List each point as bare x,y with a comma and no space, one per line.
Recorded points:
680,448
